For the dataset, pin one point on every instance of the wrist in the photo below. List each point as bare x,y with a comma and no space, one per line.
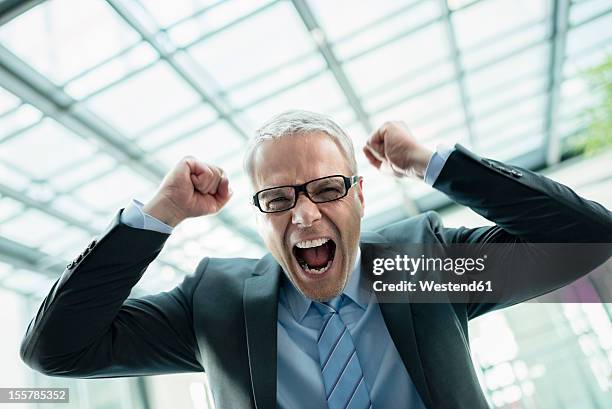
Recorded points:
163,211
420,159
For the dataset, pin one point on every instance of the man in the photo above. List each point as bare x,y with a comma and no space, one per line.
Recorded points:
296,329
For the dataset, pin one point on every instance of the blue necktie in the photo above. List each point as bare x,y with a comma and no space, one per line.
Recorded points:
345,387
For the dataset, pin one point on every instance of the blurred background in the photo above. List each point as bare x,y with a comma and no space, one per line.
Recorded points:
98,99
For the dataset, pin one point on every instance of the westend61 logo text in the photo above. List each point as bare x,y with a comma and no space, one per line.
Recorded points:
415,264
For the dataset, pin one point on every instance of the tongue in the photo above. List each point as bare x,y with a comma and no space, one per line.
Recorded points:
316,257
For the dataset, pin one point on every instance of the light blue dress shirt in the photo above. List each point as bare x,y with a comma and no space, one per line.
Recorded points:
299,379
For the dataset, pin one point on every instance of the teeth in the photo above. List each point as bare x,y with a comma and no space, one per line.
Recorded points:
317,271
306,244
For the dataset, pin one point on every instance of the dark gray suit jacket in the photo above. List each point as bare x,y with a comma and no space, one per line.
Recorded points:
223,318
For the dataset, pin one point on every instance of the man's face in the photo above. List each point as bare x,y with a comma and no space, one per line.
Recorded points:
319,268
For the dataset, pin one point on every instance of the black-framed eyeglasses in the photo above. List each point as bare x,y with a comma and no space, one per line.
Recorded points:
321,190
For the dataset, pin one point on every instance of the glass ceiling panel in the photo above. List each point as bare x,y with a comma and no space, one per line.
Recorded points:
26,281
254,45
223,14
408,54
439,122
489,51
64,245
587,35
203,145
332,15
39,191
74,207
412,84
401,23
576,97
189,228
239,207
56,37
450,138
241,210
320,95
379,201
533,60
42,149
117,188
143,100
582,10
89,168
474,24
192,119
231,162
254,90
488,127
526,137
13,178
422,106
17,119
519,134
509,93
7,101
568,126
9,208
5,269
21,227
112,71
344,115
168,12
579,65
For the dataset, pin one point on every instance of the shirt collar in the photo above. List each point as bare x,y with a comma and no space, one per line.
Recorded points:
299,304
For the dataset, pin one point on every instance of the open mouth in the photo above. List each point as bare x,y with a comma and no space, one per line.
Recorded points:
315,256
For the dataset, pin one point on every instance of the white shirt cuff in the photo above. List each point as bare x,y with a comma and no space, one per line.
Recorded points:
134,216
436,163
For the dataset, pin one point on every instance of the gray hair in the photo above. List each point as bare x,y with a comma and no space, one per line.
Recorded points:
299,122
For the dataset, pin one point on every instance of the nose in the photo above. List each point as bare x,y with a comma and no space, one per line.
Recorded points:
305,212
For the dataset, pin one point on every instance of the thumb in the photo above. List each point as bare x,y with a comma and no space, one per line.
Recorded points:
224,192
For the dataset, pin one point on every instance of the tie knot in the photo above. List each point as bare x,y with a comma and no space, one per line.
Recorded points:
330,306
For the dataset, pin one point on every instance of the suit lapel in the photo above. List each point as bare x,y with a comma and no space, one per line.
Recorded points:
399,320
260,301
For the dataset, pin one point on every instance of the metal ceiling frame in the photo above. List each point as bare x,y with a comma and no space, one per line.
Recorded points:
333,63
17,77
9,9
41,264
559,29
167,53
458,67
33,88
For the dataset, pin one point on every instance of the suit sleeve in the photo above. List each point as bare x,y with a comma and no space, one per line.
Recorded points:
527,208
87,327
